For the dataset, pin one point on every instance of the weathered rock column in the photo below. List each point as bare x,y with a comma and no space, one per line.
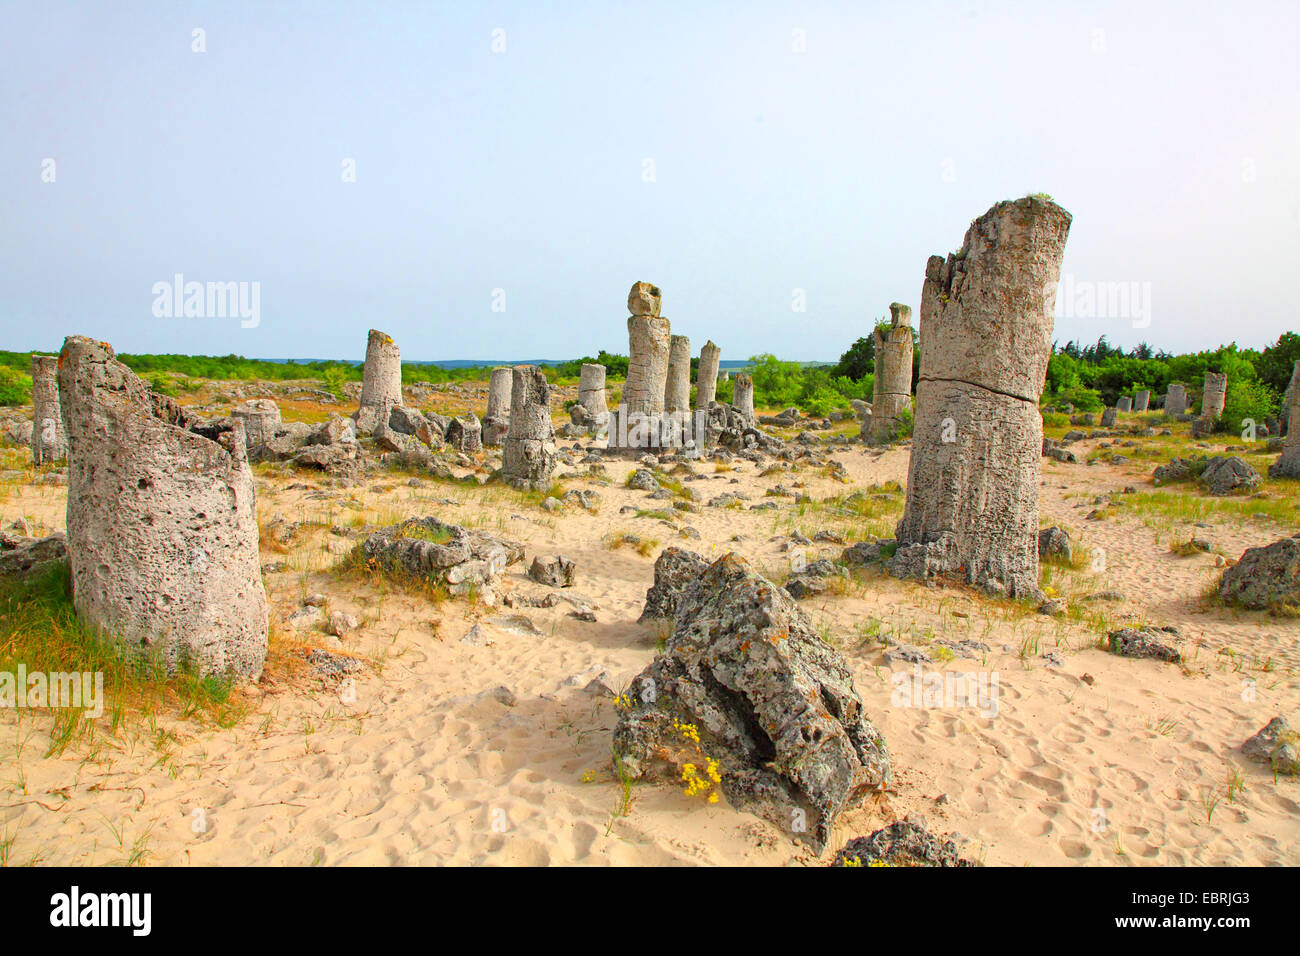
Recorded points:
591,412
1108,418
496,423
465,434
986,337
742,396
1124,404
1289,397
1176,400
1288,463
677,388
381,381
1141,400
706,386
635,425
1214,396
891,393
529,457
49,439
162,525
260,418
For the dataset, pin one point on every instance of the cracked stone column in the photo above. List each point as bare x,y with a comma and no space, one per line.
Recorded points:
1124,404
530,456
49,438
635,425
677,388
706,386
742,396
1141,400
162,523
1289,397
381,381
260,417
1214,396
1288,463
891,393
1108,417
496,423
986,337
1176,400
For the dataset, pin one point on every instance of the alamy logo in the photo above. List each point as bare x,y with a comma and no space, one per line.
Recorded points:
74,908
179,299
75,689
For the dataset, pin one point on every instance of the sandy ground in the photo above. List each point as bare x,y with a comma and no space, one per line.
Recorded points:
446,752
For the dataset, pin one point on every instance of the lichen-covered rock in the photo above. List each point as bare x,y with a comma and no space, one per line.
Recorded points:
867,553
1055,543
555,571
1275,745
18,555
464,561
1151,642
676,570
1266,577
161,522
1229,475
904,843
772,703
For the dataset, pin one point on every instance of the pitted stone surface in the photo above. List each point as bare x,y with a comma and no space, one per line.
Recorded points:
986,332
706,387
677,388
530,454
742,397
162,524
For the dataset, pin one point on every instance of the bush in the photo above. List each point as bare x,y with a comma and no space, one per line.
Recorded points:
15,387
1247,400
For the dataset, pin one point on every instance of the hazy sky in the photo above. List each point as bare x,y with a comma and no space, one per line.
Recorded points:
693,144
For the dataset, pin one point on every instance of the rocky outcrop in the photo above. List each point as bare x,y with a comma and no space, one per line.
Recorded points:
1266,577
904,843
462,561
1277,746
771,702
162,526
676,570
1156,643
1229,475
21,554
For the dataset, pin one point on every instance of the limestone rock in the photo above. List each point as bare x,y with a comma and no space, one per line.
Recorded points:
773,704
1151,642
904,843
1228,475
555,571
1266,577
676,570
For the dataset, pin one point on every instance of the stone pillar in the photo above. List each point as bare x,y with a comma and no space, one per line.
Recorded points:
1214,396
162,523
677,388
1176,400
381,381
496,423
530,455
1108,418
1288,463
706,386
49,439
260,417
591,412
635,425
986,337
891,393
1124,404
1141,400
742,396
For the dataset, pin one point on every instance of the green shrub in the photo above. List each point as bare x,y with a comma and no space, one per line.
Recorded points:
15,387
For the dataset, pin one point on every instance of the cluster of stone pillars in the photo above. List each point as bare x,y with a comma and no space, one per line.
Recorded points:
986,334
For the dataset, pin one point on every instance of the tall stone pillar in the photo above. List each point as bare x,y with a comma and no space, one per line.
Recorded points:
381,381
496,423
1288,463
49,439
162,523
677,388
706,386
529,457
986,337
1176,400
1289,397
1141,400
742,396
635,425
592,411
1214,396
891,393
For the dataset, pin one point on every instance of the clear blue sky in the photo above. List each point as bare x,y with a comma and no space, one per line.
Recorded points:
1169,130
